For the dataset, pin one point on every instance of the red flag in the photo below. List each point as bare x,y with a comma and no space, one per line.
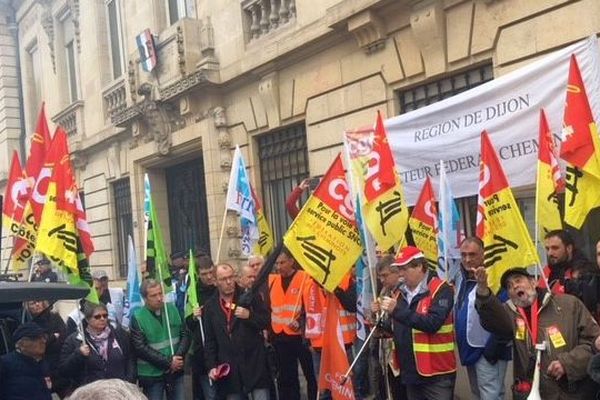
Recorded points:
334,361
579,128
423,223
547,152
384,174
17,190
491,178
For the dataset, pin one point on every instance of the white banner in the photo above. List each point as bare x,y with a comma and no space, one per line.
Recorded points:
507,107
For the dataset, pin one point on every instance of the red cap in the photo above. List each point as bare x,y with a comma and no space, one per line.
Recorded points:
406,255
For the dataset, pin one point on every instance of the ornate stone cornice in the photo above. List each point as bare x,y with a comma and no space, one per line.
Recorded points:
183,84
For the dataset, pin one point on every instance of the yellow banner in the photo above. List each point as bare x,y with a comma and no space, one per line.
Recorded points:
547,201
57,236
425,238
26,231
323,242
582,194
507,242
387,217
264,245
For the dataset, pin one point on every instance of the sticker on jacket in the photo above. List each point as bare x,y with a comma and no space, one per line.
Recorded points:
556,337
520,332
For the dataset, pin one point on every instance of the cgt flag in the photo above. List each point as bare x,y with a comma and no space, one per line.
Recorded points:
265,244
499,222
334,361
323,238
59,237
549,182
581,150
423,224
382,198
240,199
17,192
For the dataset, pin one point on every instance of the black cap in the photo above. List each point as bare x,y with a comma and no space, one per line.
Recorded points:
179,254
29,330
513,271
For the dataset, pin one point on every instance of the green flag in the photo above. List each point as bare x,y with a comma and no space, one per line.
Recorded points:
156,257
192,294
83,277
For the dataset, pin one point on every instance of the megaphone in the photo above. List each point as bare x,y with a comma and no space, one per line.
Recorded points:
534,394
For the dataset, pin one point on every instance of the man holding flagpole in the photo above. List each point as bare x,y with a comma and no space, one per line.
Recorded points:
160,349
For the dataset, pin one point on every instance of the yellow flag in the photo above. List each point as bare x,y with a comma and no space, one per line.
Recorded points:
264,244
383,204
500,225
549,182
323,238
57,235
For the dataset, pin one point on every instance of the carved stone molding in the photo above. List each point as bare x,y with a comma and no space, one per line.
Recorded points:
48,25
234,252
225,185
74,6
368,30
79,160
181,51
132,80
209,60
428,23
219,116
268,89
182,85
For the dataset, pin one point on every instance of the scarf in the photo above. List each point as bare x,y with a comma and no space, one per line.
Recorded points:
100,341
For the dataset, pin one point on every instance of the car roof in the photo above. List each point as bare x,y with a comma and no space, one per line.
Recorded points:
11,292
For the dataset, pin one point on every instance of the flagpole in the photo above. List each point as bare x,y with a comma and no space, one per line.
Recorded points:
162,286
8,236
357,194
220,243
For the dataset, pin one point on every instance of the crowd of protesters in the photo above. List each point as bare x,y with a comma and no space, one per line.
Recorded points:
248,338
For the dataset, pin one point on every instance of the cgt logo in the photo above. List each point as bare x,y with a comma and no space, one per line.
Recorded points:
339,191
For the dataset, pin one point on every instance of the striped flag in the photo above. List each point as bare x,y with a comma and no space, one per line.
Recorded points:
156,256
147,50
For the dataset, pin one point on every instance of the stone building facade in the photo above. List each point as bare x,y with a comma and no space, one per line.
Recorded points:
280,78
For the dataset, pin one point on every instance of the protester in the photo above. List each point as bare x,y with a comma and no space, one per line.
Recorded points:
382,354
286,289
247,277
485,356
234,337
179,270
256,262
421,317
160,340
40,312
102,353
113,389
314,300
563,324
113,298
291,203
206,289
563,259
22,371
43,272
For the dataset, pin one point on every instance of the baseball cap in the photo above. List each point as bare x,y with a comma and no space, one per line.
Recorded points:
511,272
99,274
406,255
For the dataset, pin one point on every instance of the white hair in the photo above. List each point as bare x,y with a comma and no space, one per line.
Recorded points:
113,389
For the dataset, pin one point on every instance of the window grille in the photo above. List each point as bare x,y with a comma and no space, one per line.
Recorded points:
123,216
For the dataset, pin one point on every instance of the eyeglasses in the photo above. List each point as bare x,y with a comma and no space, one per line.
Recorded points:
101,316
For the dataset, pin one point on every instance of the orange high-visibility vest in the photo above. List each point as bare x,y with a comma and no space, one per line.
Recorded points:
434,353
314,305
285,306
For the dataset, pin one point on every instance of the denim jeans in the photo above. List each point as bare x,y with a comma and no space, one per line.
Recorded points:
256,394
154,389
206,390
487,380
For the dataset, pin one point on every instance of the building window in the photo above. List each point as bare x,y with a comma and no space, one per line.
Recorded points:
429,93
113,12
283,159
179,9
123,216
71,60
34,80
432,92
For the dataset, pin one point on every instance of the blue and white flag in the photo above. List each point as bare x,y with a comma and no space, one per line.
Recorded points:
239,199
364,292
450,233
147,50
133,299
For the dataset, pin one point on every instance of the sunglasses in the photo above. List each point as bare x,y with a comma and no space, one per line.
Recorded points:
101,316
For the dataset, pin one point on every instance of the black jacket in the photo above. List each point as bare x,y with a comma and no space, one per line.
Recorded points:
243,347
22,378
145,352
83,370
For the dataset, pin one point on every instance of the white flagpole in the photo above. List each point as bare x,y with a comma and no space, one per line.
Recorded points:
230,186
